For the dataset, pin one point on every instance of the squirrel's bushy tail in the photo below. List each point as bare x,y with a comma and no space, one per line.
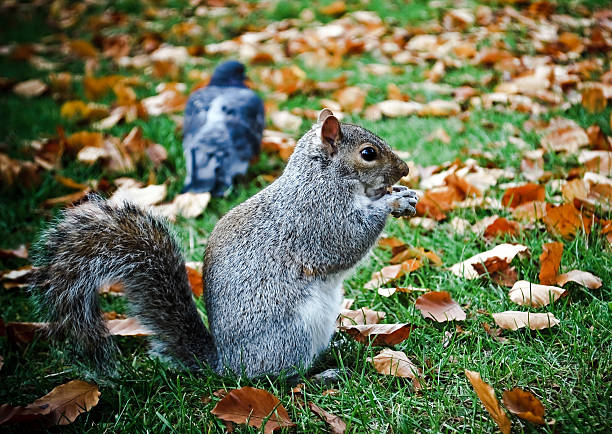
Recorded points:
98,243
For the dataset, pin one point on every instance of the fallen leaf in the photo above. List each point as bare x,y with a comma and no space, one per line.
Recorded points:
440,108
501,226
252,406
286,121
583,278
593,99
336,424
486,394
525,405
505,252
127,327
530,211
194,275
30,88
531,294
514,320
565,136
61,406
574,189
146,196
439,306
395,363
359,317
19,252
189,205
565,220
24,332
392,272
516,196
550,260
352,99
379,334
396,108
416,253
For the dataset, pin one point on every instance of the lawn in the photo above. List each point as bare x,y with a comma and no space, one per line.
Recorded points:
567,367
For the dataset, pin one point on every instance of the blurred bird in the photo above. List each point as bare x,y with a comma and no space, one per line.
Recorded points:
223,127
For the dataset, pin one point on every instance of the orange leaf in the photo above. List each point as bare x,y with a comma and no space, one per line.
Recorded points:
252,406
379,334
352,98
525,405
439,306
550,260
593,99
486,394
195,281
335,8
336,424
516,196
565,220
392,272
501,226
396,363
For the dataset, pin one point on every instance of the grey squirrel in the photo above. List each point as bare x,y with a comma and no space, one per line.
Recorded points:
273,266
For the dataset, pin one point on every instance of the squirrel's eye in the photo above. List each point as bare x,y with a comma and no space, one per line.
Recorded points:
368,154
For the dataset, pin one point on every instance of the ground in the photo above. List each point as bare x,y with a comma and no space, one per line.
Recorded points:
567,367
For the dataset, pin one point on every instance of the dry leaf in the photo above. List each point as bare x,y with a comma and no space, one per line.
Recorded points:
392,272
252,406
146,196
30,88
194,274
583,278
24,332
359,317
379,334
505,252
531,294
395,363
352,99
565,135
574,189
440,108
396,108
61,406
439,306
514,320
19,252
530,211
516,196
416,253
501,226
565,220
188,205
388,292
486,394
284,120
593,99
550,260
336,424
525,405
127,327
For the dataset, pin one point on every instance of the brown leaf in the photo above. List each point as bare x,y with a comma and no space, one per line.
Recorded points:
397,364
379,334
189,205
127,327
336,8
61,406
593,99
583,278
565,220
24,332
514,320
516,196
388,292
531,294
530,211
505,252
359,317
392,272
352,98
19,252
550,260
252,406
486,394
336,424
440,108
575,189
30,88
501,226
525,405
195,280
565,135
416,253
439,306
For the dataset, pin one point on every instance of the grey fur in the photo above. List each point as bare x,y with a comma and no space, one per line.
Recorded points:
270,263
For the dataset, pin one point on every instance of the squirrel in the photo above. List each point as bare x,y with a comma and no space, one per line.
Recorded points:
273,267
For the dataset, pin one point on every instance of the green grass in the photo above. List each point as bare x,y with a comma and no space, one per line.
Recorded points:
567,367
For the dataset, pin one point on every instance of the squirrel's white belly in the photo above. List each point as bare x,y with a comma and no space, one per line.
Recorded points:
320,310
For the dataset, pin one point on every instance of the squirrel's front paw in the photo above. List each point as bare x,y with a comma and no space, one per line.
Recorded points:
402,201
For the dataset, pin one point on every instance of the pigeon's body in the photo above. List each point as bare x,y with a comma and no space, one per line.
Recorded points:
223,127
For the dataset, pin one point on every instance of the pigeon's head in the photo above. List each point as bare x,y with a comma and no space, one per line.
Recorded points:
230,73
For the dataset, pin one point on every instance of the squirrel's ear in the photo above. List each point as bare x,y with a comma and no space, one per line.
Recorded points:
323,114
330,133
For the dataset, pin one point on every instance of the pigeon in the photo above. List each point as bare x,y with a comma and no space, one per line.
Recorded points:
223,128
